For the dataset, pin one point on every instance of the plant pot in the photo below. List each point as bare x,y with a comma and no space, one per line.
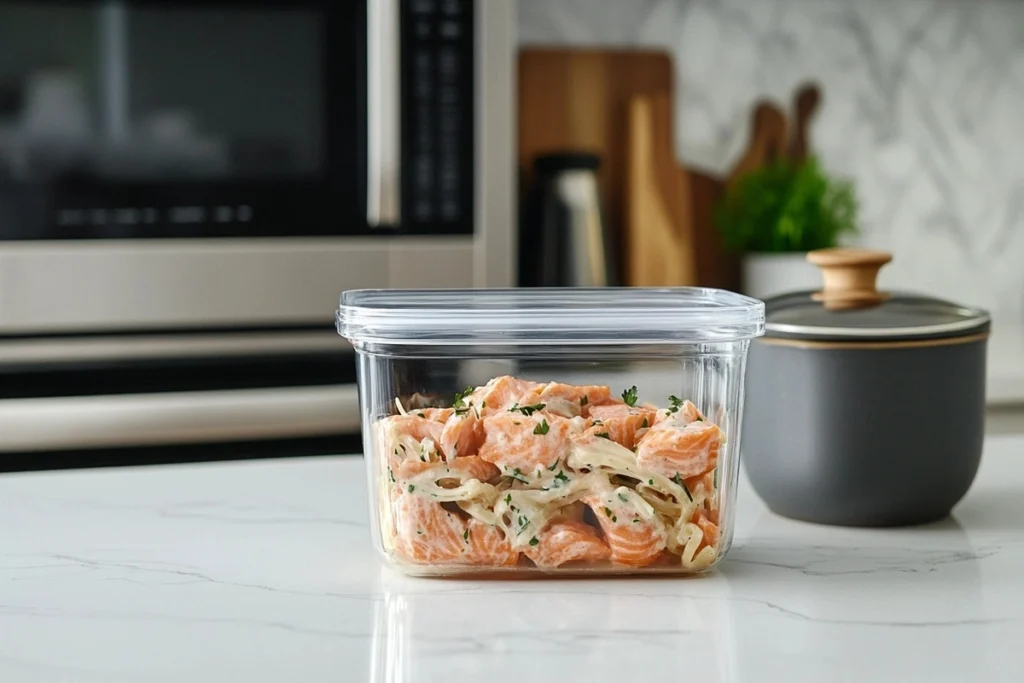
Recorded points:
768,274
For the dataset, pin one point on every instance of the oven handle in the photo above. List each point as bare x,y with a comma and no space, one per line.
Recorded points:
384,140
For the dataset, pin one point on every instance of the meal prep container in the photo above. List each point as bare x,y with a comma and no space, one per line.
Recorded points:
551,430
865,408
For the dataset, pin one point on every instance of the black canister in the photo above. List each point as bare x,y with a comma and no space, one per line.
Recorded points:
563,239
864,408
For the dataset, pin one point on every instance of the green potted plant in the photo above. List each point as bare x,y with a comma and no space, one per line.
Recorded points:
775,214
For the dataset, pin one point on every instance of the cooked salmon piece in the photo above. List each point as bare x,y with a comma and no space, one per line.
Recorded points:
570,400
567,541
684,414
470,467
501,393
704,486
621,422
462,435
434,414
673,448
521,445
413,425
426,533
710,529
487,546
634,536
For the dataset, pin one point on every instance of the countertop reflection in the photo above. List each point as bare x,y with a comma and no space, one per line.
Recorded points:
263,571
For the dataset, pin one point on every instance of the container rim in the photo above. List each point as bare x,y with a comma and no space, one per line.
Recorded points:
567,315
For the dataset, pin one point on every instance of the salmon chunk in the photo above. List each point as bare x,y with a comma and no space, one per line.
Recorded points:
710,529
501,393
462,435
521,445
672,448
635,539
488,546
621,422
582,397
567,541
469,467
433,414
426,533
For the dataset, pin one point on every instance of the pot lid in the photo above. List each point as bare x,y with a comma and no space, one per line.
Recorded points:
850,307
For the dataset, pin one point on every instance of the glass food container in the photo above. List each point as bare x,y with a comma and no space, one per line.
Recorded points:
585,431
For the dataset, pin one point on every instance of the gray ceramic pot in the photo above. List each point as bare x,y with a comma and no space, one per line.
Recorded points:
864,408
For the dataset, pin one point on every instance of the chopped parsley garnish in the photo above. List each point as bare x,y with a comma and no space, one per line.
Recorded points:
508,499
526,410
675,403
542,428
419,414
411,488
460,398
391,474
523,522
465,535
534,541
396,451
603,435
608,511
584,400
629,396
483,404
679,481
561,478
636,521
650,482
623,498
614,518
714,478
553,465
644,425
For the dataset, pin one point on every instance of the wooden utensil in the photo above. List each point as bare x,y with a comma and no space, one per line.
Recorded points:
805,105
659,254
767,140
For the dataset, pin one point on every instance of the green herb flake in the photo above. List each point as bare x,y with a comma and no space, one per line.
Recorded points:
465,535
598,423
714,478
553,465
534,541
629,396
542,428
603,435
675,403
700,419
614,518
623,498
508,499
608,511
396,451
392,475
636,521
411,488
584,400
460,398
483,404
561,478
526,410
644,425
650,482
419,532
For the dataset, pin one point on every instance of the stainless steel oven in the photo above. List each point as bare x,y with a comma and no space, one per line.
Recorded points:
186,186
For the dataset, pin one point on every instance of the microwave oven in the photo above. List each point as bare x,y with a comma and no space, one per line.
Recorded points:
186,186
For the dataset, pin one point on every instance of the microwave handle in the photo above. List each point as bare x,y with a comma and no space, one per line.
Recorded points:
383,126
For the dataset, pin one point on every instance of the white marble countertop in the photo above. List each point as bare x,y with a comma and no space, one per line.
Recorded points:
263,571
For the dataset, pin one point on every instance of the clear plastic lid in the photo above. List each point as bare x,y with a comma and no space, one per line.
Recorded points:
680,315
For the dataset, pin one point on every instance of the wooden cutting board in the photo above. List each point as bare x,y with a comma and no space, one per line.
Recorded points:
580,99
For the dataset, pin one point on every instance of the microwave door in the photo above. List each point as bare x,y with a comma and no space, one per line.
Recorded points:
383,120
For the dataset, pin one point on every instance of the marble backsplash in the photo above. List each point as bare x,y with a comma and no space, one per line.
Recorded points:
923,108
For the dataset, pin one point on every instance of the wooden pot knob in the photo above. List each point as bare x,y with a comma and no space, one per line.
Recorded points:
849,277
